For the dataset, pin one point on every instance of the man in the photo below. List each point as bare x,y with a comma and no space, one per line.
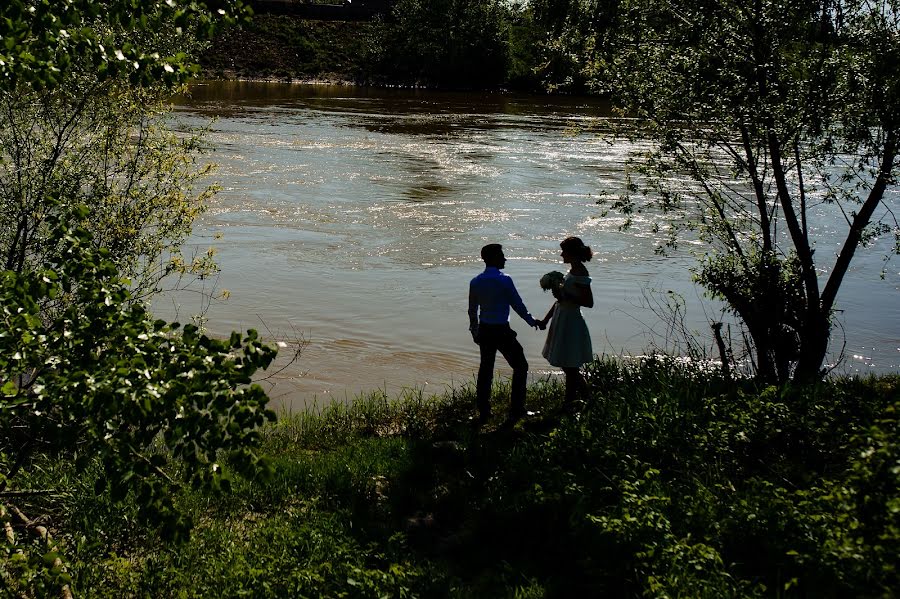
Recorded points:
491,295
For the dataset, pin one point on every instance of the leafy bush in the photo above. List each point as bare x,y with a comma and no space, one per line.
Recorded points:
684,483
98,380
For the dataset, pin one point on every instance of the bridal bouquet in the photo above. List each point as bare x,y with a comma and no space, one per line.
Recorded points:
552,280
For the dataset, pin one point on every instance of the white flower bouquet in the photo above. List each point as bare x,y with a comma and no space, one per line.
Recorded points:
552,280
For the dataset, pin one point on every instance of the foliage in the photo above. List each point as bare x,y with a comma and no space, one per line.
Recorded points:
678,482
109,146
88,135
450,43
86,375
771,121
289,48
487,44
672,481
320,526
101,380
570,33
42,41
524,45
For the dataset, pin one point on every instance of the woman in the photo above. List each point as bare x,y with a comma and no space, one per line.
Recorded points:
568,343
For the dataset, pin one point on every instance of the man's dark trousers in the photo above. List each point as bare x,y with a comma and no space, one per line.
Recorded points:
491,339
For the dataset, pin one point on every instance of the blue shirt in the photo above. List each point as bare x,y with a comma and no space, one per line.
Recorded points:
495,293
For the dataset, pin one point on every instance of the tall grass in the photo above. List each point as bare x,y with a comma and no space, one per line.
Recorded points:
670,481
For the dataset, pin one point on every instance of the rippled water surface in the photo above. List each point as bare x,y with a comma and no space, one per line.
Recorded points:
353,218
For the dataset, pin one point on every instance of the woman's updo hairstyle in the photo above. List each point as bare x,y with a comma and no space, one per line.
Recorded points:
576,247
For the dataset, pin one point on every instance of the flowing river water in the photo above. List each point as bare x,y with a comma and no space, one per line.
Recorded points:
352,218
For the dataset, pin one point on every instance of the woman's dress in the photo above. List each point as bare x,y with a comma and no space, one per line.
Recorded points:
568,342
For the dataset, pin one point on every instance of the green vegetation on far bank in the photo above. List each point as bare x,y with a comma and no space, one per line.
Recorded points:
669,482
468,44
285,47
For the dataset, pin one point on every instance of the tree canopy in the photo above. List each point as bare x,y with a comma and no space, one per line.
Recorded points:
92,185
770,118
40,41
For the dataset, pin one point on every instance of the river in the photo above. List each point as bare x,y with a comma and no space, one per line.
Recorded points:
352,218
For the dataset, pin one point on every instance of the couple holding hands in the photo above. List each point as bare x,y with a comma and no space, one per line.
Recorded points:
568,345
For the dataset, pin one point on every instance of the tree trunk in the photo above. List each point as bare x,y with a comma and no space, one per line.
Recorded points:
813,347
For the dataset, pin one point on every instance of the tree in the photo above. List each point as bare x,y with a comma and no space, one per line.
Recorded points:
85,372
96,131
42,41
572,30
456,43
110,146
768,116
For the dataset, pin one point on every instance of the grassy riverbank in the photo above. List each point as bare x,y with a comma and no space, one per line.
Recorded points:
669,482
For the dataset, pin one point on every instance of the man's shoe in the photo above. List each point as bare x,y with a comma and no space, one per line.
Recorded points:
514,417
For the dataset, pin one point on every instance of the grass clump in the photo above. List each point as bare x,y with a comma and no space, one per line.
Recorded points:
670,481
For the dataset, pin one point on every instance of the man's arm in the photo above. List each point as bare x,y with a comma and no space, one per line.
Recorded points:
516,303
473,312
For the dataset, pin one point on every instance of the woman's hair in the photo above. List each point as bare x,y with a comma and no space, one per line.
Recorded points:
576,247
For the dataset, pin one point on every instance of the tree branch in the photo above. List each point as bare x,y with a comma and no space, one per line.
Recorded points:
801,190
758,189
712,195
800,241
861,221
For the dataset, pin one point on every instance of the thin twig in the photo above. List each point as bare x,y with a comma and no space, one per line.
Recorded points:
29,493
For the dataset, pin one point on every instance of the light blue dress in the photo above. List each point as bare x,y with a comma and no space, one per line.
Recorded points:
568,342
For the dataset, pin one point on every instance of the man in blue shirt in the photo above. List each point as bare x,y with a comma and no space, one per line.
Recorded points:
491,295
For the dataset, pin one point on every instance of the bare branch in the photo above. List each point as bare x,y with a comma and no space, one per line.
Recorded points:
860,222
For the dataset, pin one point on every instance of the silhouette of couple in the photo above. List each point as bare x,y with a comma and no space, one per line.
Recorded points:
568,345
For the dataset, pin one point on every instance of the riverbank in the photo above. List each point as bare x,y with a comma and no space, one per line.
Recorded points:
668,482
417,48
